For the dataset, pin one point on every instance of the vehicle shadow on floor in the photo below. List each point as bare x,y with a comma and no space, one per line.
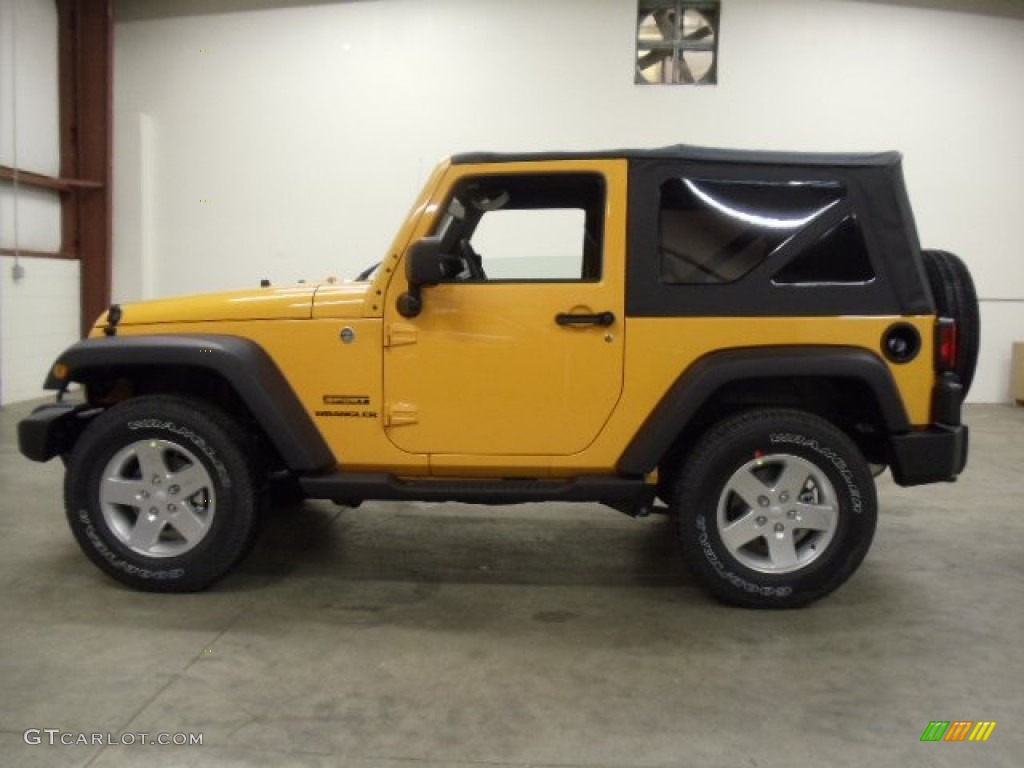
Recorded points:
541,544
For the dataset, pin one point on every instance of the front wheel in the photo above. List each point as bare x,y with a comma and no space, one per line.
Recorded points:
776,508
161,493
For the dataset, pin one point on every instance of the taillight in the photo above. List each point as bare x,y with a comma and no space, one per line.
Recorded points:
946,345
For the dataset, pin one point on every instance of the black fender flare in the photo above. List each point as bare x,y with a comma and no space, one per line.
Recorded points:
695,386
242,363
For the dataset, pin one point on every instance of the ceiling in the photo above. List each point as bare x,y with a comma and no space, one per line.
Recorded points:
1013,9
136,10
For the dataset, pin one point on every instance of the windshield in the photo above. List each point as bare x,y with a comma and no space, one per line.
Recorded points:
368,273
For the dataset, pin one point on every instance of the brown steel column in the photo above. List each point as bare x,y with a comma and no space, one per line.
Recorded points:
85,41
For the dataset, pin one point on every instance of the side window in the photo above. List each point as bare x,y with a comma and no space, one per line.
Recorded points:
716,231
511,227
539,244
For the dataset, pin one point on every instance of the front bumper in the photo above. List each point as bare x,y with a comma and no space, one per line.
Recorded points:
51,430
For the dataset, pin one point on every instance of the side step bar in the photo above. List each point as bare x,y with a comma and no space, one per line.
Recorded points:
623,493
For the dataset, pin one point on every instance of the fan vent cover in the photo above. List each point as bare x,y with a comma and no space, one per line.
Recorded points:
677,42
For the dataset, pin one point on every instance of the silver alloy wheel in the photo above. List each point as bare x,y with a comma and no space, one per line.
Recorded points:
157,498
777,513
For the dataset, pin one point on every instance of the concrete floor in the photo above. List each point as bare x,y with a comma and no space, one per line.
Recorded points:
444,635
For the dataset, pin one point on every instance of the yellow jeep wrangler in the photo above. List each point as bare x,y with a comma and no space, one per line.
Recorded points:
746,336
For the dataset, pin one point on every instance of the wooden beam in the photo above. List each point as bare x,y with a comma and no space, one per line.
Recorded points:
85,40
67,95
42,181
25,254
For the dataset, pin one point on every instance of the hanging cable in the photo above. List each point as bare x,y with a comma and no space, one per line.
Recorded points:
14,162
16,273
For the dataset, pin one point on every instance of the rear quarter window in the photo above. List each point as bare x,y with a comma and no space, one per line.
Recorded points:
714,231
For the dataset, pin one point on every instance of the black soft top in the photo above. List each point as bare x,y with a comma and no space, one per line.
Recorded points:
877,199
687,152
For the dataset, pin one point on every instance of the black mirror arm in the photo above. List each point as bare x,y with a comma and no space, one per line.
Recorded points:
410,303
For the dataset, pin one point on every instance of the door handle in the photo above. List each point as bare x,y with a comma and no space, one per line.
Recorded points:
603,319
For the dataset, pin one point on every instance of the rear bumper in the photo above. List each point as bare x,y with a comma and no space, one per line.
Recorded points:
932,455
50,430
936,453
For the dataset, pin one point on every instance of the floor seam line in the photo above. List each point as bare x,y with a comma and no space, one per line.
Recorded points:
126,728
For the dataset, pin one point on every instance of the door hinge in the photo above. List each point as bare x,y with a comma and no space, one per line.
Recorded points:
400,414
400,334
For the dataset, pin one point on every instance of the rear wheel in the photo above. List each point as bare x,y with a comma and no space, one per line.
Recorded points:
162,494
776,508
955,297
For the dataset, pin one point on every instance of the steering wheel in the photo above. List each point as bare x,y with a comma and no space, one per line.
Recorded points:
474,264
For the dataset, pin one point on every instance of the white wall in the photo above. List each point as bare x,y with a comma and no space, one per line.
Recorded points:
37,325
39,312
288,143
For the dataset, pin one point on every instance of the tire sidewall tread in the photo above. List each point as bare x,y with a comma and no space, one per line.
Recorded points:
729,445
223,448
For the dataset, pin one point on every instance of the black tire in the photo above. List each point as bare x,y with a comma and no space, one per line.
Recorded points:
764,454
955,297
141,527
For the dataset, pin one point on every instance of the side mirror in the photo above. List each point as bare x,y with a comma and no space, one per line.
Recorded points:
423,262
423,266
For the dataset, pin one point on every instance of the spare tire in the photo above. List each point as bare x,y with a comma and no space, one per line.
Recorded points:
955,297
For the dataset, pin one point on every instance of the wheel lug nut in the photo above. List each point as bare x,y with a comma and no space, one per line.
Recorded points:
153,511
761,520
172,508
791,514
173,490
784,497
764,501
779,528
